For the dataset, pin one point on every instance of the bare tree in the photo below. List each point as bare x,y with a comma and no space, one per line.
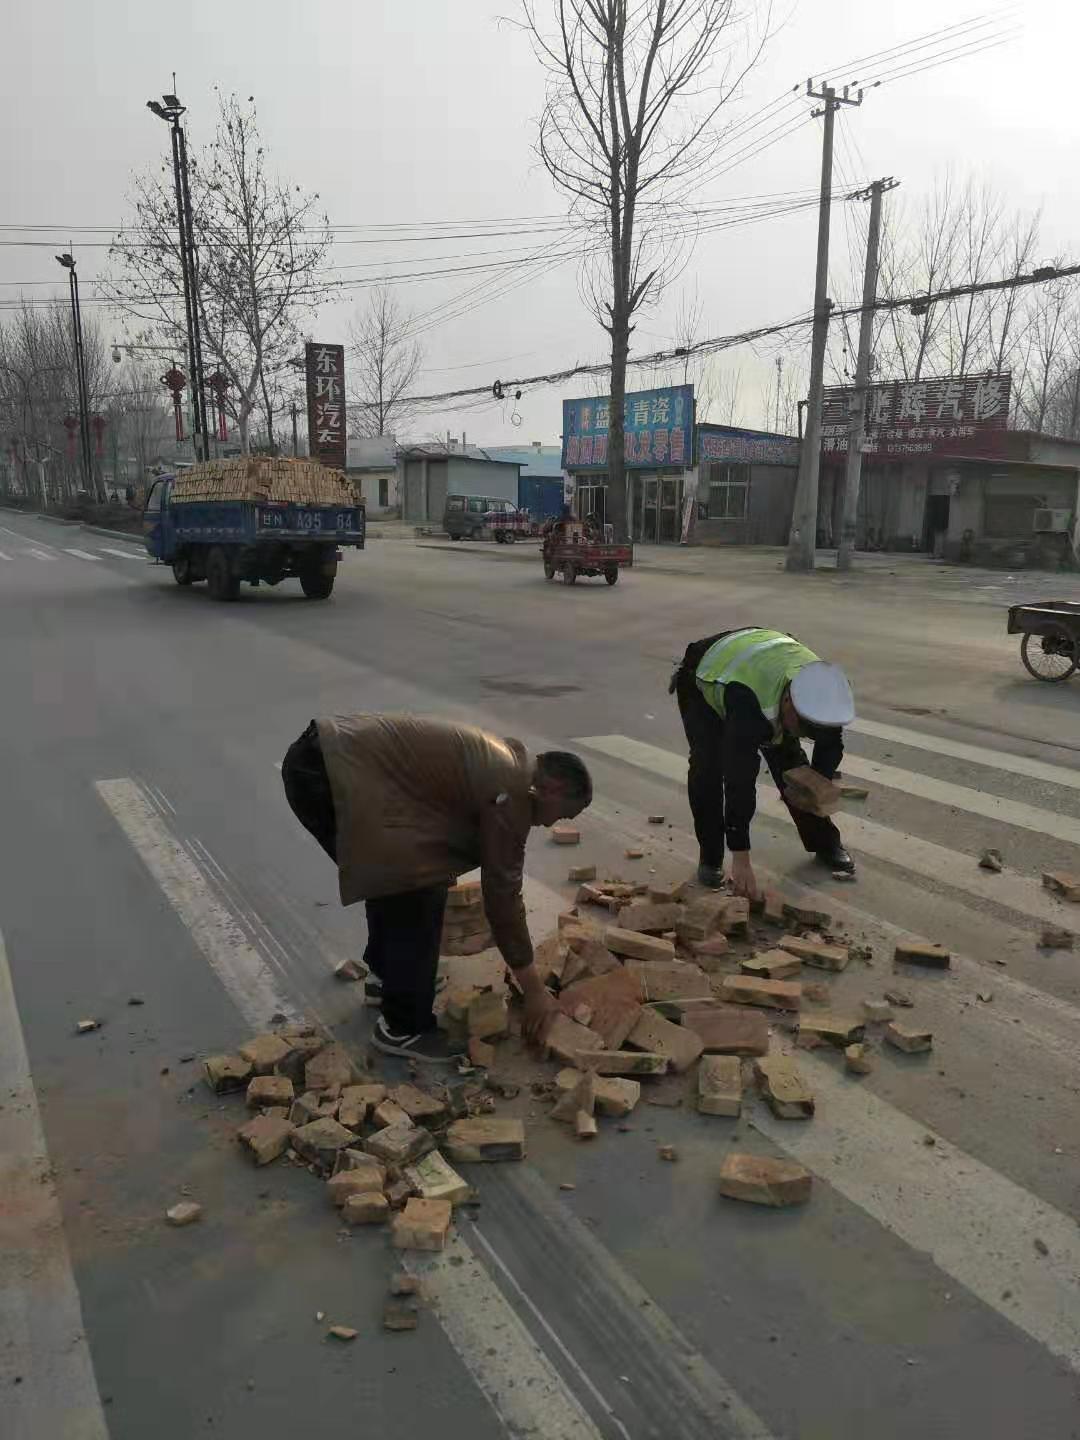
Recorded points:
260,244
385,364
140,424
628,120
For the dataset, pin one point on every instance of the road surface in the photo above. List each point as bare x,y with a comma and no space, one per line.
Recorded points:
928,1288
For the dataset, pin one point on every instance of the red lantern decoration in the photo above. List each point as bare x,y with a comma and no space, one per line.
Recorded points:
71,425
97,424
174,380
219,384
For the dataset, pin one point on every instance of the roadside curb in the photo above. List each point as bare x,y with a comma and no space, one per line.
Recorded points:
128,535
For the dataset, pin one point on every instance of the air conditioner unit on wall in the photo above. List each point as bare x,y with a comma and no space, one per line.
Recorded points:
1051,522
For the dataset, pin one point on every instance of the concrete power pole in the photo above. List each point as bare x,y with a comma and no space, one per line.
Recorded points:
857,429
803,538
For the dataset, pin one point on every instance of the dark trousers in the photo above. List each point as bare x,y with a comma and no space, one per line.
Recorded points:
705,782
404,931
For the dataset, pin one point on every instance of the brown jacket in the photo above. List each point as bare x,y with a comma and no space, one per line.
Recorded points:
419,802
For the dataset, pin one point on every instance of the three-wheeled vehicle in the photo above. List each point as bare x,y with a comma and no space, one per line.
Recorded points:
576,550
1050,648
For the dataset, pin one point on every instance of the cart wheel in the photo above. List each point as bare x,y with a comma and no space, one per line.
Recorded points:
508,537
1051,657
611,574
500,537
569,574
549,570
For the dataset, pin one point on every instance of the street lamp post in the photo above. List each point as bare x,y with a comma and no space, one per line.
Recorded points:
170,111
68,262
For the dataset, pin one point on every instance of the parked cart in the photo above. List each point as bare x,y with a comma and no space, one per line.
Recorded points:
575,554
1050,648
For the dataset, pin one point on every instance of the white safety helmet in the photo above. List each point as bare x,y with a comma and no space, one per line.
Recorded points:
822,695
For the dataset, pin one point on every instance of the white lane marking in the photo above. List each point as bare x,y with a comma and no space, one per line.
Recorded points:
123,554
3,556
40,554
40,1313
920,857
976,754
976,1225
244,973
520,1382
82,554
975,802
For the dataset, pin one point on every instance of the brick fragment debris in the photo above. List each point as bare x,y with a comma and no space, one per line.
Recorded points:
1053,937
1063,884
915,952
422,1225
344,1333
84,1027
811,792
565,834
784,1089
816,953
876,1011
485,1139
265,1138
838,1030
185,1213
761,1180
657,819
720,1087
909,1038
400,1315
857,1060
269,1090
773,994
226,1072
772,965
992,860
580,873
366,1207
729,1032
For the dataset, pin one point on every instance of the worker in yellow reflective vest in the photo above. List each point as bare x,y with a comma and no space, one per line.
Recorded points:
747,693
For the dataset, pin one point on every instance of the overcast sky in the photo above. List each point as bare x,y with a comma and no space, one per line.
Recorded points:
420,111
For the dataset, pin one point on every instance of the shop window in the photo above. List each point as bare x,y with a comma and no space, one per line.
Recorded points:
384,491
729,492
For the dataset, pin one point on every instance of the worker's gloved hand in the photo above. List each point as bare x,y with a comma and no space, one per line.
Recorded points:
743,880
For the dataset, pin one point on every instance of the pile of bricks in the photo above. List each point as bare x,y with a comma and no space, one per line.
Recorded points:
465,928
385,1154
265,480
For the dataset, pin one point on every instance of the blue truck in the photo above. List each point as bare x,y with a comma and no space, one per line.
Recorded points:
227,542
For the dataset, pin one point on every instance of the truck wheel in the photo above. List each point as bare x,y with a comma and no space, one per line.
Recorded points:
220,580
501,537
508,537
549,570
316,585
569,574
181,569
611,574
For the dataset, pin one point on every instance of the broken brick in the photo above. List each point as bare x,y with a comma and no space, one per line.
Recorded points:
649,919
899,997
485,1139
773,994
269,1090
729,1032
1067,886
369,1207
614,1000
773,965
720,1085
402,1283
347,1183
422,1225
761,1180
308,1107
667,1152
585,1126
342,1332
612,1095
487,1015
568,1041
786,1093
1054,938
265,1138
772,908
399,1144
806,915
397,1192
320,1140
389,1112
671,979
226,1072
580,873
634,944
838,1030
936,957
660,1037
265,1053
634,852
857,1060
581,1097
565,834
708,954
661,894
433,1178
331,1066
417,1104
481,1053
301,1049
465,894
877,1010
399,1315
819,955
908,1038
807,790
185,1213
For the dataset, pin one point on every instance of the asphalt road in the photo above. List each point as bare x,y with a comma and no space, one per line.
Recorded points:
928,1288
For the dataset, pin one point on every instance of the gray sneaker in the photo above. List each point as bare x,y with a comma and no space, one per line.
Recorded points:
430,1046
711,876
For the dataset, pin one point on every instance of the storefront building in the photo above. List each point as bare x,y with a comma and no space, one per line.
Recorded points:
745,486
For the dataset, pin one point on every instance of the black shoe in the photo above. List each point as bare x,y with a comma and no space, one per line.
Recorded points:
711,876
836,859
430,1046
372,990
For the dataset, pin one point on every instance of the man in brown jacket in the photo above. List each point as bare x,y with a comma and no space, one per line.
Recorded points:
404,805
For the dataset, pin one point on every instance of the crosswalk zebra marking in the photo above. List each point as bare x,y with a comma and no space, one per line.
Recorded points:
962,750
1019,893
3,556
122,554
81,554
40,554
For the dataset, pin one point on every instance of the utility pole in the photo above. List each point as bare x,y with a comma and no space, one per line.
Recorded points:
67,260
857,427
779,373
171,112
295,442
803,538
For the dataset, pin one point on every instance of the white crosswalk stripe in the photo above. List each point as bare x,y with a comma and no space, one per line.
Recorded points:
976,754
40,554
921,857
3,556
122,554
82,554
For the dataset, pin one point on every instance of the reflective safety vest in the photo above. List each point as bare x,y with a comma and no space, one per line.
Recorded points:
765,661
